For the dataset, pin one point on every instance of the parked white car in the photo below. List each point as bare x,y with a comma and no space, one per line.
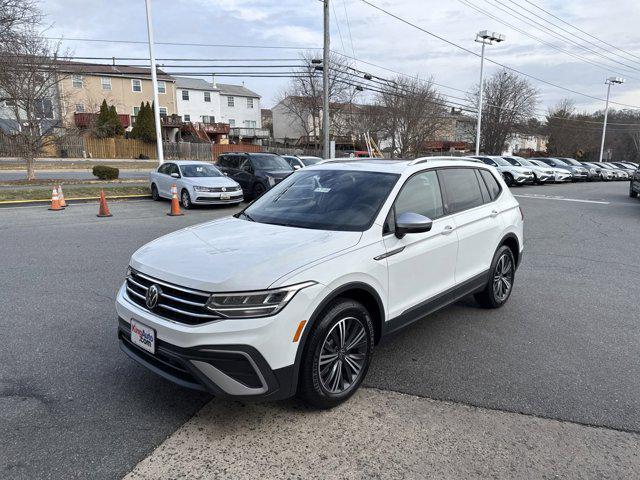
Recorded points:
301,161
560,175
542,175
198,183
292,294
513,175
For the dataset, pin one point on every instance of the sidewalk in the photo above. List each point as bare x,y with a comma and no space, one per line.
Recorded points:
382,434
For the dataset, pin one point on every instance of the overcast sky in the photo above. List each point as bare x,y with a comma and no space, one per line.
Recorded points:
378,38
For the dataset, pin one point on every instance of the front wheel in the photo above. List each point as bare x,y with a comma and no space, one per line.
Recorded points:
632,192
508,180
500,282
185,199
258,190
337,355
155,196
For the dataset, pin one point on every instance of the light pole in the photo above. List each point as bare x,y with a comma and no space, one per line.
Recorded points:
609,81
484,37
326,144
154,82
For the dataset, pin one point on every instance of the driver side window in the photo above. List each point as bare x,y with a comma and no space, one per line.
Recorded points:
420,194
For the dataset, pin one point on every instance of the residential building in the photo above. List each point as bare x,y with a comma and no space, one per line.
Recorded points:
526,143
86,85
240,108
198,100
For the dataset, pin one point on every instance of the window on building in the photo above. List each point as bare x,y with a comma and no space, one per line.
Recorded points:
253,124
136,85
207,96
185,95
232,122
162,87
136,110
163,111
79,108
187,118
77,81
230,101
208,119
106,83
44,108
249,102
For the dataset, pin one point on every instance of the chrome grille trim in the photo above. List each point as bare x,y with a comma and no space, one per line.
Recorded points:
171,285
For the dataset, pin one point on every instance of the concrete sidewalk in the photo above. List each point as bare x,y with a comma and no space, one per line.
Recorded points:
381,434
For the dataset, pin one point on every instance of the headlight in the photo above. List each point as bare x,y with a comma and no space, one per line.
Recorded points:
271,180
202,189
261,303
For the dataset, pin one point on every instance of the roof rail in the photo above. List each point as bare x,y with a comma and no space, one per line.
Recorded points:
420,160
345,160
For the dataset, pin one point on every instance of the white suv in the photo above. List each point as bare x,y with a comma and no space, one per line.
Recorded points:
292,294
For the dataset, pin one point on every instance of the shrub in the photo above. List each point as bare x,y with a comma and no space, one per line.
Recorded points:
104,172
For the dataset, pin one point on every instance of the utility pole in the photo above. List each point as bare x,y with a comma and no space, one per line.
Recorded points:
485,38
154,81
326,145
609,81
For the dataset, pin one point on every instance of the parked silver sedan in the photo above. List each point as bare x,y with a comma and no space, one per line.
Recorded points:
198,183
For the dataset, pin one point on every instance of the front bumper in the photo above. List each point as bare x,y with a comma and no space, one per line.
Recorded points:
248,358
214,198
525,179
579,176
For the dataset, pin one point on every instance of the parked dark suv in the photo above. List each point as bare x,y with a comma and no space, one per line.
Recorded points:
255,172
634,186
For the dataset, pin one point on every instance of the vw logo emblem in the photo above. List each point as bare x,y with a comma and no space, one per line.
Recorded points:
224,189
153,294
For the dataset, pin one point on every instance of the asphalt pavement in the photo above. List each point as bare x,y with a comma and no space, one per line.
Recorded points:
565,347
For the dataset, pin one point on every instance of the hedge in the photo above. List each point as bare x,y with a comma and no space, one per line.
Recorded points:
104,172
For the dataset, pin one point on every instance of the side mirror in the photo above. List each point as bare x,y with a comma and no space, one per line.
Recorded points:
175,175
409,222
297,167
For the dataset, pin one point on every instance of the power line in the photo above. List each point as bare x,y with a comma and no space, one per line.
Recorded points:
580,30
449,42
538,39
346,14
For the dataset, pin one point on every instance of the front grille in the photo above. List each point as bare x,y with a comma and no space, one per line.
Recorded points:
175,303
226,189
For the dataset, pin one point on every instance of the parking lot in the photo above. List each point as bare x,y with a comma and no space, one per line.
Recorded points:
565,347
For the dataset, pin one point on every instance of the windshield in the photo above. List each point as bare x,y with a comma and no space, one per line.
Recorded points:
512,161
324,200
537,163
561,162
501,161
310,160
200,170
270,162
571,161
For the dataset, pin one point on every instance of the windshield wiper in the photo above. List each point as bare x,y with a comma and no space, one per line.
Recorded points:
247,216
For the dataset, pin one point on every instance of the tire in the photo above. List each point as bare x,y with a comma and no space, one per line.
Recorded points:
185,200
508,180
632,193
258,190
344,368
500,283
155,196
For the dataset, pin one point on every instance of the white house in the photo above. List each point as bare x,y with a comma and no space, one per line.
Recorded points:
519,142
198,100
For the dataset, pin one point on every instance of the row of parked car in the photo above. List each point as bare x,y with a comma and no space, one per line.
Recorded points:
541,170
238,176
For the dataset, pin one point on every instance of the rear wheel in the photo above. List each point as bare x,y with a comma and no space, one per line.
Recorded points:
337,355
632,192
500,282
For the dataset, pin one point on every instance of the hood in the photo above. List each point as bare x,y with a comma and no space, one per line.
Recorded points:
519,169
211,181
280,174
234,255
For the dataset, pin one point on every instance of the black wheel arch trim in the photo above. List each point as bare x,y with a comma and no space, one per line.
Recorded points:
518,253
314,319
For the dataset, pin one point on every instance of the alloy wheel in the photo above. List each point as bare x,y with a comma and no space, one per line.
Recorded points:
503,277
343,355
186,202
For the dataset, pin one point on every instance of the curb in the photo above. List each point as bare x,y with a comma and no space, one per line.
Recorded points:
9,203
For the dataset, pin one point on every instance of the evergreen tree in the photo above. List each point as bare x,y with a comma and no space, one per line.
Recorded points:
137,127
116,126
103,121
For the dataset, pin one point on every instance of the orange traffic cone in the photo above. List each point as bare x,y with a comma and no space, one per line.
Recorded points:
55,201
103,211
63,204
175,205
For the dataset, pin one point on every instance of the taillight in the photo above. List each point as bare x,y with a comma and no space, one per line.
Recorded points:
521,213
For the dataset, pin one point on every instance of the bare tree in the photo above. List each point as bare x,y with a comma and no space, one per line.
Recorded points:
15,17
508,102
302,98
411,112
29,81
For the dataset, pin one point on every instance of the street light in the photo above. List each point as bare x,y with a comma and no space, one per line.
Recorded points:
484,37
609,81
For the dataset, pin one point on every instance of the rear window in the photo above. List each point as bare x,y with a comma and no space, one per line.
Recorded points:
461,188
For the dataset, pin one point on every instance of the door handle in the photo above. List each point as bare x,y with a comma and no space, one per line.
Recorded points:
447,230
494,213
